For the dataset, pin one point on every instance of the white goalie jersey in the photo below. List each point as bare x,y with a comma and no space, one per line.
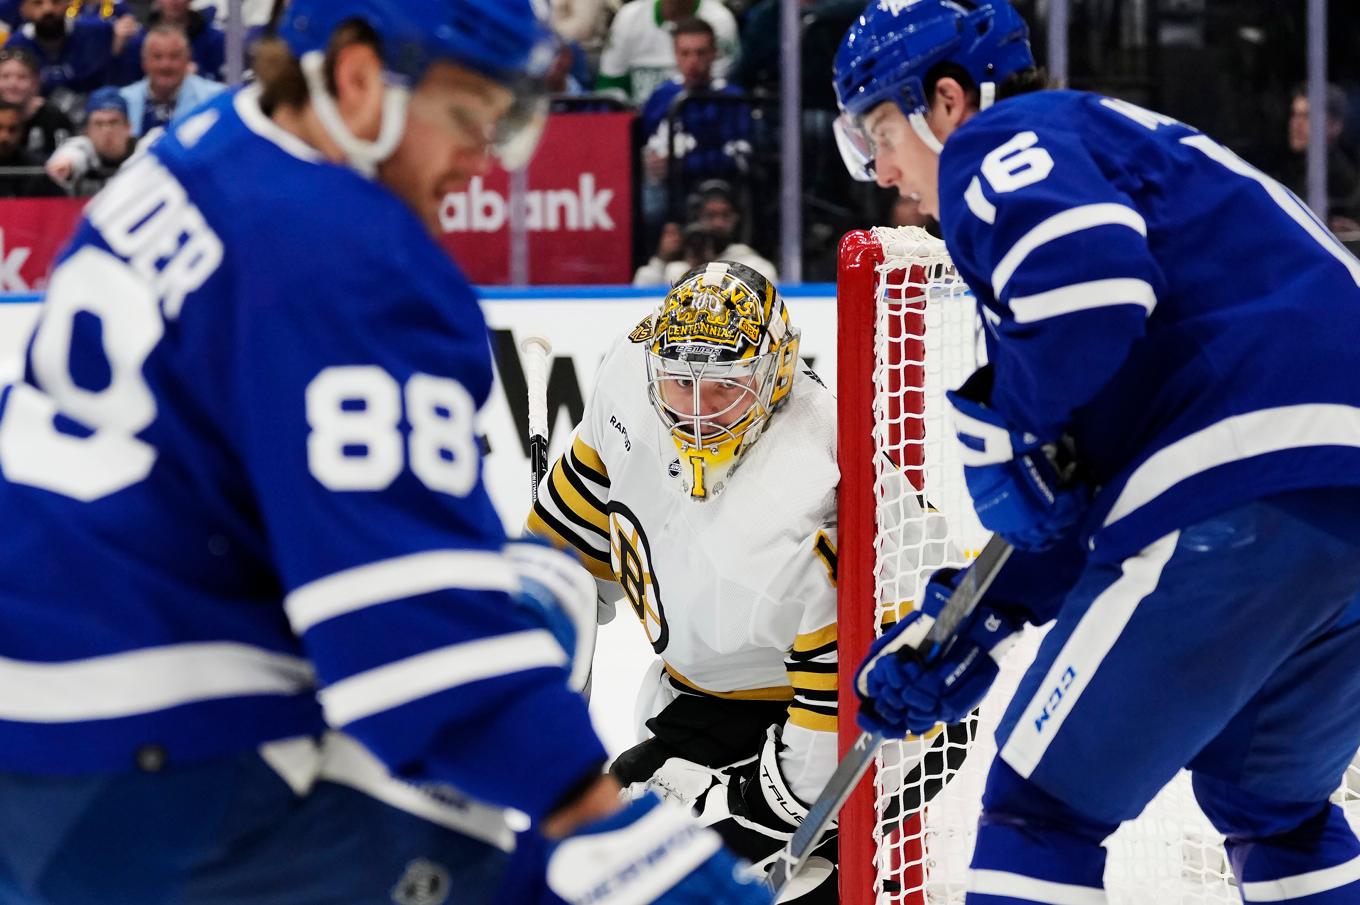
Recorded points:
736,594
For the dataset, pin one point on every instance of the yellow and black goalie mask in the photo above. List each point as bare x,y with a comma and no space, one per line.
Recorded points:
721,358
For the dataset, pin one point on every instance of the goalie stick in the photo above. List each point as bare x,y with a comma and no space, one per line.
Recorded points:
856,762
536,350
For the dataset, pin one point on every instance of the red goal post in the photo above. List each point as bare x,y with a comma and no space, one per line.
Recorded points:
884,282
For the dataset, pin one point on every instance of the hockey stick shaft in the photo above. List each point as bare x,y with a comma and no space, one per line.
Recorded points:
856,762
536,350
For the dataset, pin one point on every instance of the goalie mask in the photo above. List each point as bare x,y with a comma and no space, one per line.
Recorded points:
721,357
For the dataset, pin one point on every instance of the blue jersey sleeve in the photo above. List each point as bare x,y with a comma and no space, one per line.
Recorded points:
1057,255
359,387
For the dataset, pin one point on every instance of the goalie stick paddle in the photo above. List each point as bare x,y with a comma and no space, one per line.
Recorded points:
856,762
536,350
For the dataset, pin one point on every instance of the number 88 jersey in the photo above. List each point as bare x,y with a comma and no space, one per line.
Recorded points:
244,485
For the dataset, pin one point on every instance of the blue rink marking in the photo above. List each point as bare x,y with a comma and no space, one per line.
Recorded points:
545,293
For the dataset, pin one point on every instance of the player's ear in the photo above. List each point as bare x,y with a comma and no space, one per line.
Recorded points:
357,78
952,104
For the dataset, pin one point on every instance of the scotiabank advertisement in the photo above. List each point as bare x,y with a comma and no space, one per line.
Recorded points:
578,208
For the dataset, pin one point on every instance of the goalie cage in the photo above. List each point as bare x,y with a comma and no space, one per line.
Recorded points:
908,331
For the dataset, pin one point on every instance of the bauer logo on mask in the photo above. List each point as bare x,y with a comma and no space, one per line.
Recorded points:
721,359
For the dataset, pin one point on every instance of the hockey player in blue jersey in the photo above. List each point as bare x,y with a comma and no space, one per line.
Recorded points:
244,480
1185,331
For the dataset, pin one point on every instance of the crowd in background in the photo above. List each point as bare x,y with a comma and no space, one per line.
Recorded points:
82,81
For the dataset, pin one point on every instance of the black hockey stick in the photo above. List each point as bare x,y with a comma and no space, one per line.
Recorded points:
856,763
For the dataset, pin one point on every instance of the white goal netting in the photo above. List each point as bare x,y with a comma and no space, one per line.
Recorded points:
927,341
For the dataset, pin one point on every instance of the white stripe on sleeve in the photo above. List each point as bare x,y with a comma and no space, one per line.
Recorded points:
1082,297
1018,886
1233,439
1295,209
394,684
1073,220
1085,650
144,681
1304,885
395,579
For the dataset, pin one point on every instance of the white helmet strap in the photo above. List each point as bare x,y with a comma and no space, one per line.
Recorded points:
364,156
922,130
986,97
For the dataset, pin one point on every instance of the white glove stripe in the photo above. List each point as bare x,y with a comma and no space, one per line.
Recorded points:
633,865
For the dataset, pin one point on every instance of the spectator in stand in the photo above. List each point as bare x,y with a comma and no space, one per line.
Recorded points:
13,155
83,164
677,254
75,55
639,54
108,10
1343,165
583,22
169,89
713,206
45,127
712,138
559,81
207,42
713,211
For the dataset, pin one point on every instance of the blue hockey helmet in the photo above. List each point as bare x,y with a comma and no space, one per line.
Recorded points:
507,41
893,45
504,40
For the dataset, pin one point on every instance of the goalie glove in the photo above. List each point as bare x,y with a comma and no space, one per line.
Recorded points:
1012,477
556,591
650,852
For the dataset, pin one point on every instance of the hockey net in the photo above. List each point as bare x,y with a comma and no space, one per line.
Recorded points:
908,331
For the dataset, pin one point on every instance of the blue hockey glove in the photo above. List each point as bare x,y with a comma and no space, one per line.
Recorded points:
1011,476
651,852
899,695
558,593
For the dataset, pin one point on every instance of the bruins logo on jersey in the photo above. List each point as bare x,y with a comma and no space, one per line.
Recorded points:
631,558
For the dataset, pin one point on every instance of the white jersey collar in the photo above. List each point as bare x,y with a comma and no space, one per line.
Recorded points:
247,104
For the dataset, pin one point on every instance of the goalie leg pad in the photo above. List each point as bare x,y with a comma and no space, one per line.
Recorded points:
1283,851
1033,848
758,815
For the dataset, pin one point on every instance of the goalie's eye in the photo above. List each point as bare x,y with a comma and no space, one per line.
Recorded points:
684,383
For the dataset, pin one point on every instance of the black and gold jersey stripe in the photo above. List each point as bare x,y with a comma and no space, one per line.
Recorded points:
826,552
588,463
571,512
811,667
772,693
